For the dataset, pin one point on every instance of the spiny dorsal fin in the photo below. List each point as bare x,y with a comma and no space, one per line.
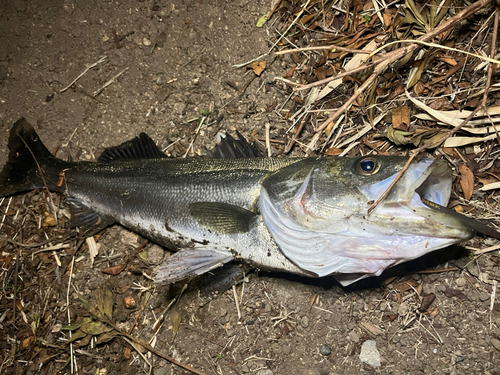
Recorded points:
222,218
230,148
141,147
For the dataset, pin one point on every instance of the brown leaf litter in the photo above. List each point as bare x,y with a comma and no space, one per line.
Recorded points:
357,83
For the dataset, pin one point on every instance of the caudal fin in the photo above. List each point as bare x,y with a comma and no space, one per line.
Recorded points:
29,159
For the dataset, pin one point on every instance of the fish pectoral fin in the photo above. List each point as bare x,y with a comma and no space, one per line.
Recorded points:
222,218
89,221
191,262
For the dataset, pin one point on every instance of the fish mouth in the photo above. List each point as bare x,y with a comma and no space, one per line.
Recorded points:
417,203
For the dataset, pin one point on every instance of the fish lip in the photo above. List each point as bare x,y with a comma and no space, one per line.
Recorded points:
430,180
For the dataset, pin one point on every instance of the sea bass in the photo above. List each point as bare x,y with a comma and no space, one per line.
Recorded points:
306,216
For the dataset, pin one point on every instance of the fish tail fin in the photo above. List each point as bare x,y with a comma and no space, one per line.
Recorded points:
29,163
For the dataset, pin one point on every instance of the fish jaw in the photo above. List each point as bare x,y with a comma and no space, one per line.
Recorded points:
402,212
401,228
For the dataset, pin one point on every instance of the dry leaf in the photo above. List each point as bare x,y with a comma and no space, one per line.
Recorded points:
494,185
95,328
440,104
175,319
307,18
401,118
448,60
434,312
462,141
418,69
104,301
387,16
258,67
26,341
114,270
7,259
487,181
126,353
397,136
450,152
77,336
427,300
466,181
105,337
333,151
290,72
372,328
49,220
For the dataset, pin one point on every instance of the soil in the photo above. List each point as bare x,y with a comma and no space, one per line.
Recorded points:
176,62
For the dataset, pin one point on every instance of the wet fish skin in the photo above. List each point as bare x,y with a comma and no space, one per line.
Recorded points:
300,215
153,197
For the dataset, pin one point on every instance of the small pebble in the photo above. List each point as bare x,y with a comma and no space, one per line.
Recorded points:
160,371
495,343
353,336
440,288
396,339
264,372
155,255
146,42
483,296
129,303
286,350
304,322
473,269
324,349
403,309
369,353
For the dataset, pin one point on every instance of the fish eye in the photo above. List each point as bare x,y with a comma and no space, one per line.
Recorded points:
368,166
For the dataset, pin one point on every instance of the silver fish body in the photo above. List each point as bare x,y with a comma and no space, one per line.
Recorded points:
156,197
306,216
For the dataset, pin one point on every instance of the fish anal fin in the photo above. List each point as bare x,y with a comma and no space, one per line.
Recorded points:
141,147
89,221
222,218
191,262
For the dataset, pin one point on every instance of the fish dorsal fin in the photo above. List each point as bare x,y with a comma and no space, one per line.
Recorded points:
141,147
230,148
222,218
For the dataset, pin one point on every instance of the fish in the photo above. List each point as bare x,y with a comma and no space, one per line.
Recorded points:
301,215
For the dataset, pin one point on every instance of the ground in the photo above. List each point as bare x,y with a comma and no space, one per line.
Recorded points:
176,60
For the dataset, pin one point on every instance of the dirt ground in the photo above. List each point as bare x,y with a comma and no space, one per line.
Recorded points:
175,60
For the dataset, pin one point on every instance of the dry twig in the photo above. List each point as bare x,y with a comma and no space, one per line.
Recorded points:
385,61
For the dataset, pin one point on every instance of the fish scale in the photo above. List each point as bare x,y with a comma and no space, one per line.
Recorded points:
306,216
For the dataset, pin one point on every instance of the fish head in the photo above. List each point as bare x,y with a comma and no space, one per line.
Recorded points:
317,212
